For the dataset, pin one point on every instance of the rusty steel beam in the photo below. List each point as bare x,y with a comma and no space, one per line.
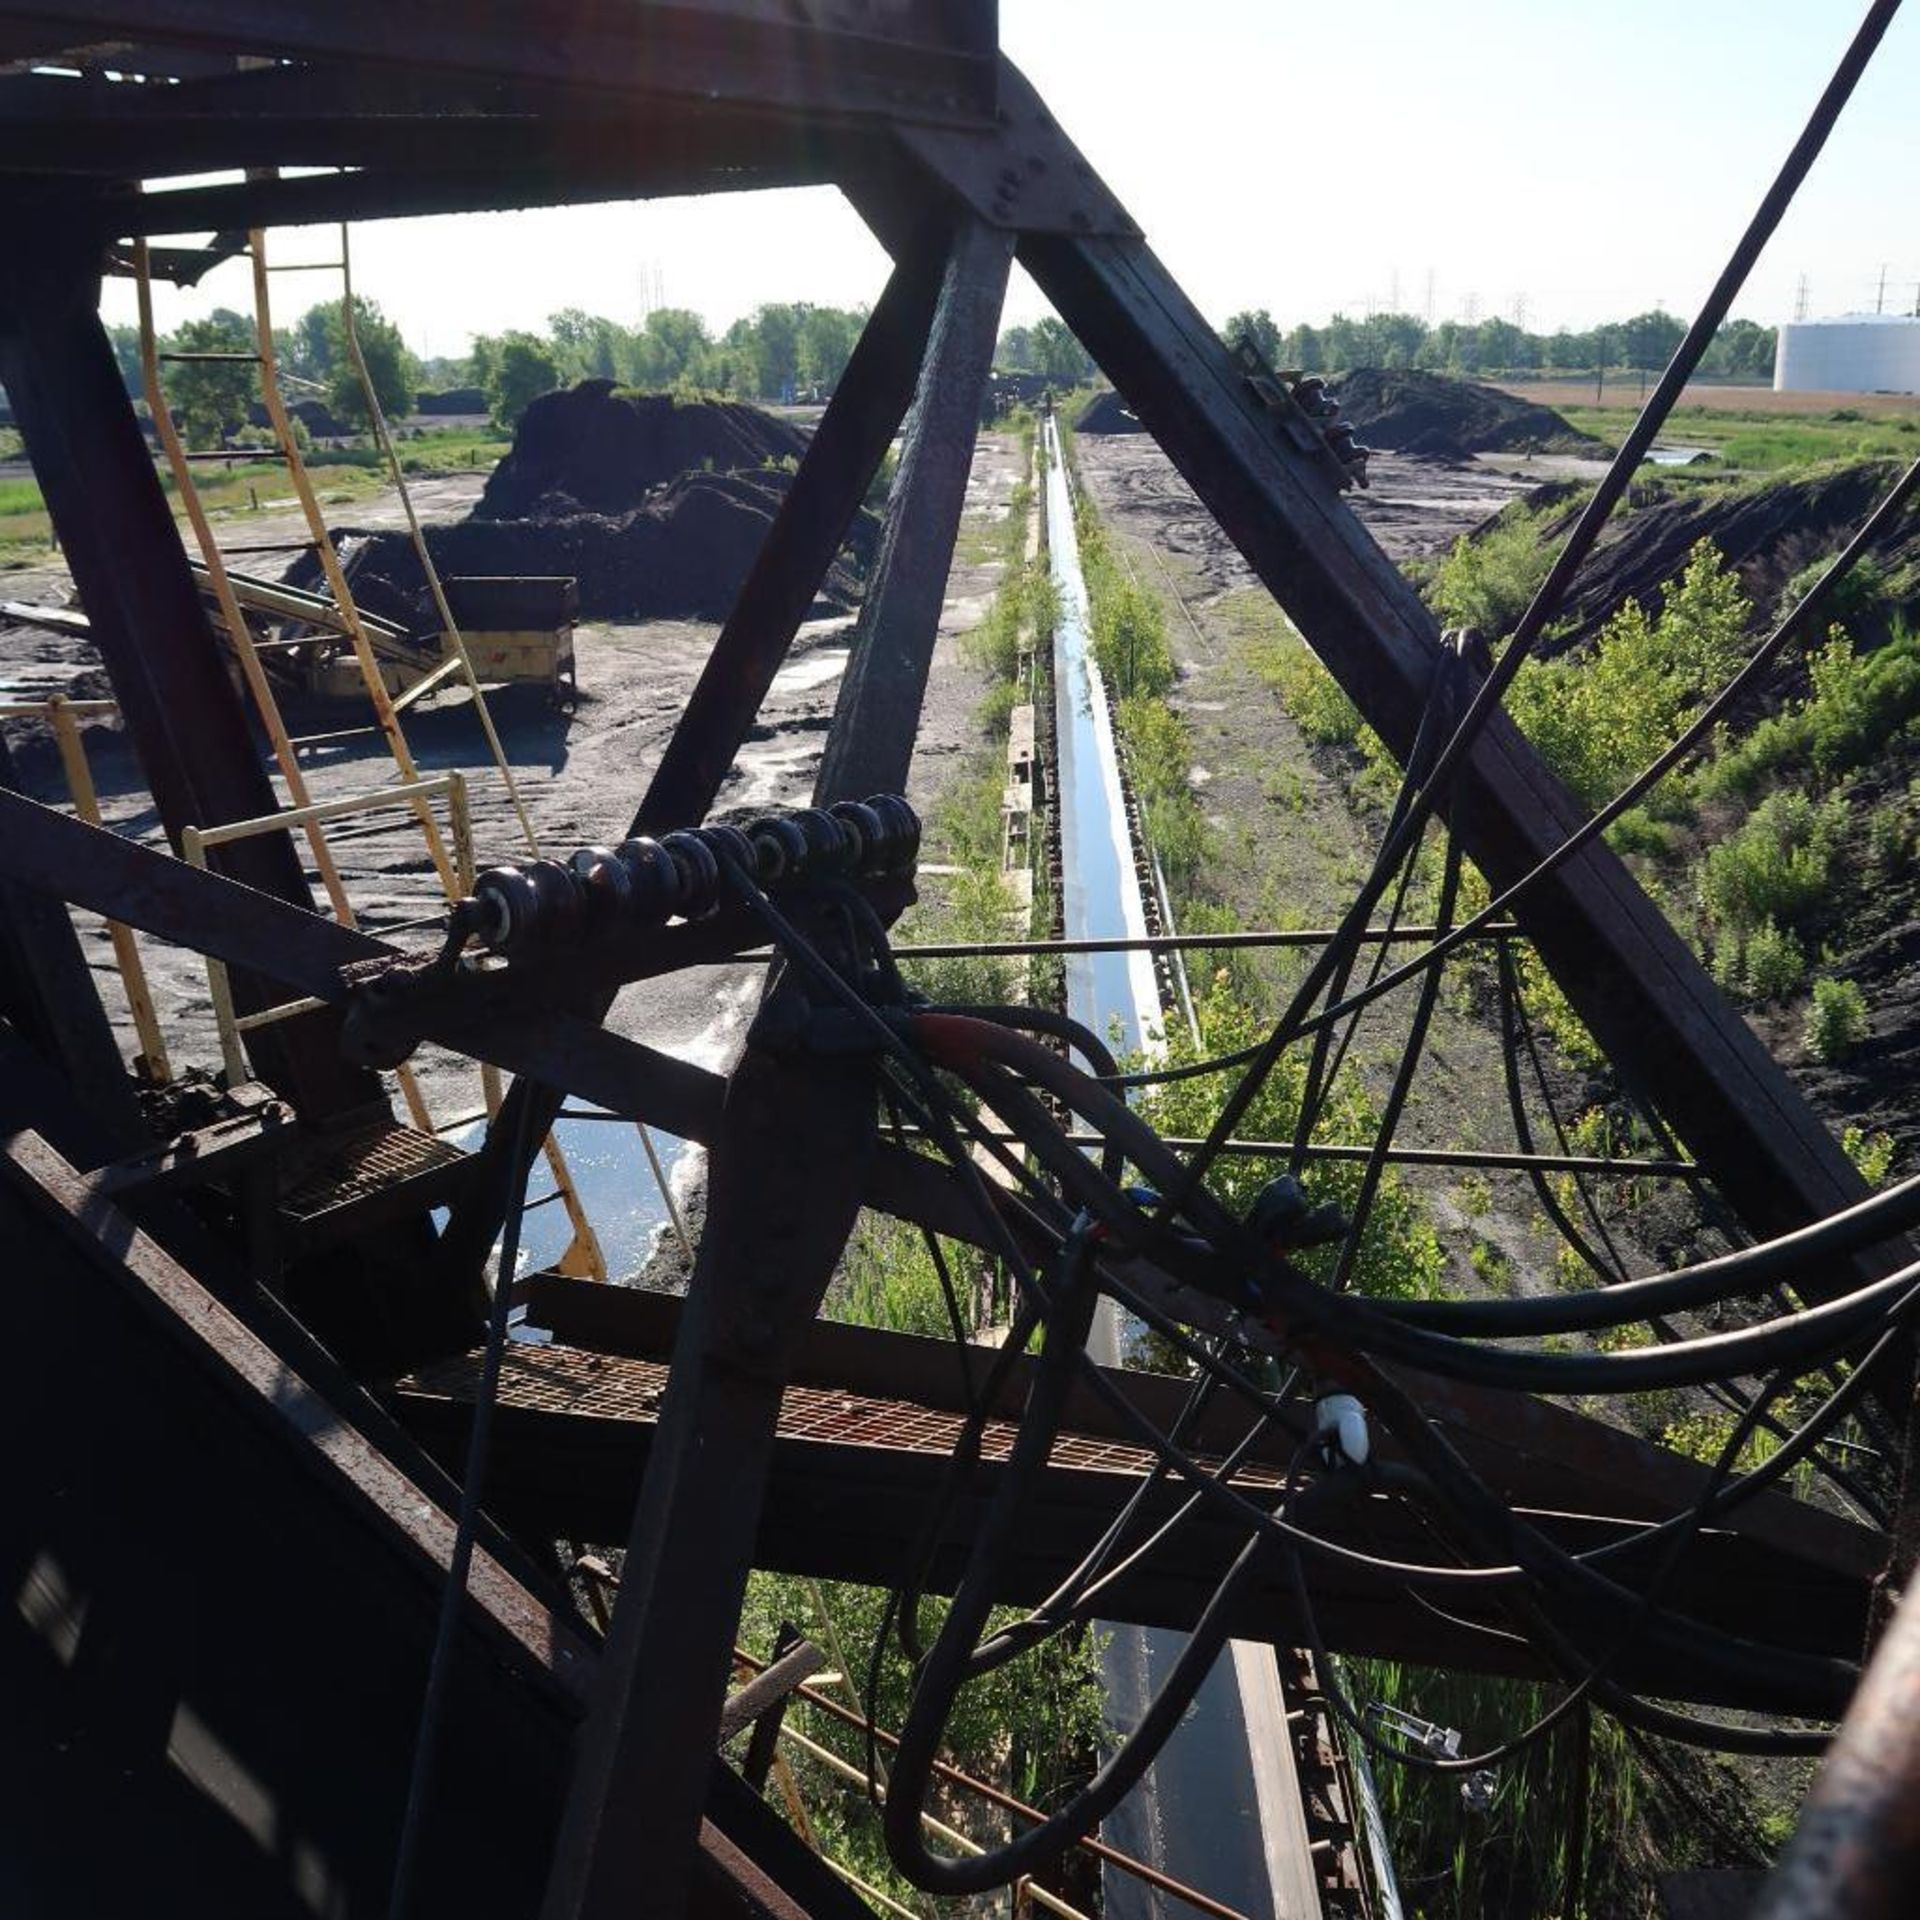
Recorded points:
854,1474
870,744
903,61
1855,1854
810,528
784,1191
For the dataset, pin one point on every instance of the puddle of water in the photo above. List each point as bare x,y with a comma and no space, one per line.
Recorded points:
813,669
1665,456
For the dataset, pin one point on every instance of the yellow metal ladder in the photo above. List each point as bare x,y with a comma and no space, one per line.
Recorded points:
583,1256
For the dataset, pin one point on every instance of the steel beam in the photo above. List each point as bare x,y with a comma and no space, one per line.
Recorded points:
1630,976
1856,1853
809,530
784,1191
48,992
904,61
120,543
870,745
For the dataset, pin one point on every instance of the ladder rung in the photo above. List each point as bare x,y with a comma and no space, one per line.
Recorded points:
274,546
276,646
203,358
320,739
545,1200
406,926
419,691
252,456
306,266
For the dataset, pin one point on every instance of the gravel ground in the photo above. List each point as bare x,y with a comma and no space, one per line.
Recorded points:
580,774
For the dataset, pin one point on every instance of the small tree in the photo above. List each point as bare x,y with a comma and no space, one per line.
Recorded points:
1836,1019
1058,355
1256,324
209,398
390,366
518,369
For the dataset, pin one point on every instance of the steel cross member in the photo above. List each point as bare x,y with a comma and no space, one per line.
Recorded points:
796,1136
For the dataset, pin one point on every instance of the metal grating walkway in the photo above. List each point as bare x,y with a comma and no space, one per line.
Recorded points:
571,1380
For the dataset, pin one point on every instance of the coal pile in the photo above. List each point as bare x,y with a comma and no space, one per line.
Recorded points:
315,415
680,556
453,400
594,448
1407,411
1767,534
1107,413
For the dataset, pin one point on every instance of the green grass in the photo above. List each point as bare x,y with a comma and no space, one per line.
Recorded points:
1756,442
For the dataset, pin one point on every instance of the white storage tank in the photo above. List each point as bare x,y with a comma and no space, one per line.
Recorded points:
1857,353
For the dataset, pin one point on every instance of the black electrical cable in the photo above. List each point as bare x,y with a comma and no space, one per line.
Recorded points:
453,1590
1328,1055
943,1672
1395,1329
1410,1055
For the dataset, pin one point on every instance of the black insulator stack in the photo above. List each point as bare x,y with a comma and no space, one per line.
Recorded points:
542,906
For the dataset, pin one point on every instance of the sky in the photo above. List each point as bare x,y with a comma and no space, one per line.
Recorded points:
1559,162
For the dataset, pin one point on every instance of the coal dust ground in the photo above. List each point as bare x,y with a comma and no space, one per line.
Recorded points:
581,773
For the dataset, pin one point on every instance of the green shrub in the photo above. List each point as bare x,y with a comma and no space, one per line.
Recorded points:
1598,717
1836,1019
1400,1254
1777,866
1871,1154
1769,963
1487,579
1855,703
1861,591
1314,699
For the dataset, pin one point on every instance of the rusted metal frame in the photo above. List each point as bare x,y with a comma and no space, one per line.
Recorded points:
807,532
870,743
852,1508
1620,1473
1855,1854
537,1637
785,1189
1629,975
146,619
47,990
1533,1453
745,52
810,528
767,1691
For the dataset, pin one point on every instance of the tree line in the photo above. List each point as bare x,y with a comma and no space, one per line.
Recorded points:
793,350
782,351
214,399
1741,350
